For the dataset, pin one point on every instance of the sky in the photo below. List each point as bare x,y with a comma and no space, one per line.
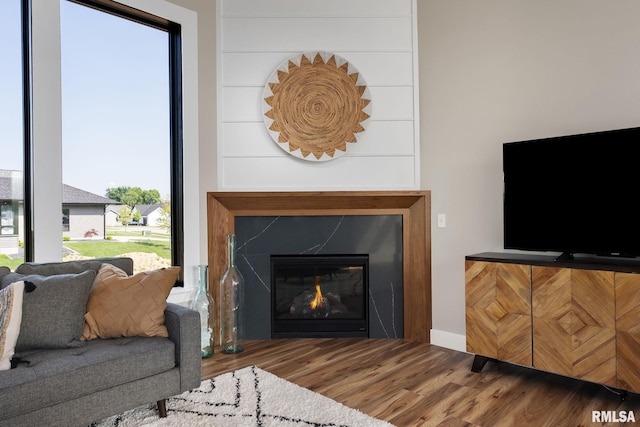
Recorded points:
115,99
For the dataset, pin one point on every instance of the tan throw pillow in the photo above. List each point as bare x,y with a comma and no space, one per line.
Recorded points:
128,306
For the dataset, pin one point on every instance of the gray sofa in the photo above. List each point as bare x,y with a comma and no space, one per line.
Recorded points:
102,377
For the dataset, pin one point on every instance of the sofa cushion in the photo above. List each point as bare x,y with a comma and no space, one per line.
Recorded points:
54,376
4,270
52,314
126,306
10,318
76,266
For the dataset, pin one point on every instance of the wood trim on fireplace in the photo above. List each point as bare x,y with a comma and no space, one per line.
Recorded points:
414,206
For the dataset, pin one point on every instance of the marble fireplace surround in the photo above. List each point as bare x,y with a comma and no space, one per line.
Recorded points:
413,206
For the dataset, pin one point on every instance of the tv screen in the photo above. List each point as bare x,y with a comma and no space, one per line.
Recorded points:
574,194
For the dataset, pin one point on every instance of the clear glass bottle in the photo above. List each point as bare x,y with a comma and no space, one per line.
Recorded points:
231,304
203,304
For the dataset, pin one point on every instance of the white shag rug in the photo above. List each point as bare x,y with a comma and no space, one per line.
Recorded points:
247,397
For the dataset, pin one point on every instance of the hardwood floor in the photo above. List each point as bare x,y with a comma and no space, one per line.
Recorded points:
408,383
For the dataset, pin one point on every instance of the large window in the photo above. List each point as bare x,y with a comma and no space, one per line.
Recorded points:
11,134
118,112
62,130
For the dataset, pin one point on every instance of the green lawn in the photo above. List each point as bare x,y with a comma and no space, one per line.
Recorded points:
11,263
103,248
134,231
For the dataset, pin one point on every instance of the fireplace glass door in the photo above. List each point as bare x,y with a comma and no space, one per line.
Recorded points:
319,296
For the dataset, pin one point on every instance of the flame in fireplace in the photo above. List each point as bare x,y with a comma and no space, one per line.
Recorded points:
317,301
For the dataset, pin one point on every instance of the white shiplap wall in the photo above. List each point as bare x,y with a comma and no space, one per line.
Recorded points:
377,37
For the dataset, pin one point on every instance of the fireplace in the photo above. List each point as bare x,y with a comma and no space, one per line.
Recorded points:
391,226
319,296
261,239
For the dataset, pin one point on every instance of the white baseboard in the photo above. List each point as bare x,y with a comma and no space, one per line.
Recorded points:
449,340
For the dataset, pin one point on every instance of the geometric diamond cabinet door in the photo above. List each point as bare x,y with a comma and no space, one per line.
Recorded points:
498,311
574,323
628,330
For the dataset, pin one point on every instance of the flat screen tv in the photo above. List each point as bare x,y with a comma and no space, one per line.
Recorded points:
576,194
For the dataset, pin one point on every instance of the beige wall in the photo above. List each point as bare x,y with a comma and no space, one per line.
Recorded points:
495,71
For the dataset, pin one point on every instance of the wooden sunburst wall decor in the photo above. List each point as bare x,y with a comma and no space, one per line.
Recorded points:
314,105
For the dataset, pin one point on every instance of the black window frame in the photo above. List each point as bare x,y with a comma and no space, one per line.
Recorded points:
27,174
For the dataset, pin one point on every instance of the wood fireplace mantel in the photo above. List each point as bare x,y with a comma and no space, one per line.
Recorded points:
414,206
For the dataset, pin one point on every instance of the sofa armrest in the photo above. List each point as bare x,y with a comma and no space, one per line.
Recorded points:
183,325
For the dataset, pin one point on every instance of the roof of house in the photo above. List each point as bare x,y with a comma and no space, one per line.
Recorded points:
147,209
75,196
11,189
113,208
